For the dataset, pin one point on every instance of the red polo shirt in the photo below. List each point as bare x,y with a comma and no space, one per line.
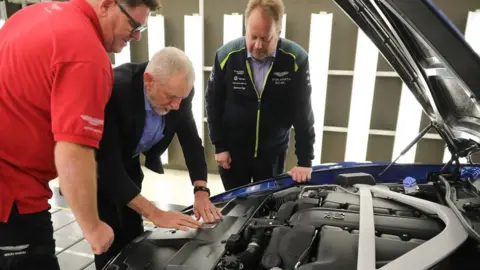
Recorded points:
55,79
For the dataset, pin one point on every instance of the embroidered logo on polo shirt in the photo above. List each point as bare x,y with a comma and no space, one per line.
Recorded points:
91,120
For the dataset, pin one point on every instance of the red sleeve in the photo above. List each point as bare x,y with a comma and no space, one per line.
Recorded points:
79,94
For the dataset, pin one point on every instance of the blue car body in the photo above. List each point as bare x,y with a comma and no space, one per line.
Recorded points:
326,173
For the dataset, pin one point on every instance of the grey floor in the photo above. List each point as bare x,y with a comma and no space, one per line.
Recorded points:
72,250
169,191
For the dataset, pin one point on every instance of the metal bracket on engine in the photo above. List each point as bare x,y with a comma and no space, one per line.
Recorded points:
424,256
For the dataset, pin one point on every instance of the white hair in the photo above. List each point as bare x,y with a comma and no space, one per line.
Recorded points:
168,61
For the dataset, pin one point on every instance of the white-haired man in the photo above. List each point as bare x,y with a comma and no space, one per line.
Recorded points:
150,103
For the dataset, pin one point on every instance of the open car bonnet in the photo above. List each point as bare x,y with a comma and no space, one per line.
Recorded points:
432,58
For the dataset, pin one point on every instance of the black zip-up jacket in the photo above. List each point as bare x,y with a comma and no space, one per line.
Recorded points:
241,120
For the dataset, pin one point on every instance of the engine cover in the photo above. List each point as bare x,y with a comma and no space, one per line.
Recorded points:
338,249
340,209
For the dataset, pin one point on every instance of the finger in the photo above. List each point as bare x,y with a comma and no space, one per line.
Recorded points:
210,216
203,214
97,250
295,177
180,227
219,213
190,222
197,214
215,212
109,244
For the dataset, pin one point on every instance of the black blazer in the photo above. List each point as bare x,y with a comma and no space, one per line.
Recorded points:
119,173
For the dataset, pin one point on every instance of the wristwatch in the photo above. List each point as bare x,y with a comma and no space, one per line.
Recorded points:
199,188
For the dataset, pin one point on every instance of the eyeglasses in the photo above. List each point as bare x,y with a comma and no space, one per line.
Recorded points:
137,27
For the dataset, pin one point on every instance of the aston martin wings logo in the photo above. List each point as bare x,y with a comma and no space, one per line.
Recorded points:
91,120
280,74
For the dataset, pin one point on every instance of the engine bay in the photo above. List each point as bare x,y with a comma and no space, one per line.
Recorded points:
318,228
351,224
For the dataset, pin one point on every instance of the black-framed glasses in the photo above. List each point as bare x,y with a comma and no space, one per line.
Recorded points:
137,27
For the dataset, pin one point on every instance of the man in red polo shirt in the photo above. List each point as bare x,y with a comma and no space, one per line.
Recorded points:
55,79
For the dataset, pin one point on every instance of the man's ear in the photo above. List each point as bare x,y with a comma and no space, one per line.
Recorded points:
147,80
105,5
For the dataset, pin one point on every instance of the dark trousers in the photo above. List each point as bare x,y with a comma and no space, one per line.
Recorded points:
126,224
27,243
243,170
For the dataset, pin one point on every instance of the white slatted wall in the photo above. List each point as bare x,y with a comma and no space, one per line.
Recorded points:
365,73
3,13
319,59
156,42
194,50
364,76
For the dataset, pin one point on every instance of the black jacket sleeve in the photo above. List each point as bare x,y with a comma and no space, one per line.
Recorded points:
215,102
304,120
113,180
191,143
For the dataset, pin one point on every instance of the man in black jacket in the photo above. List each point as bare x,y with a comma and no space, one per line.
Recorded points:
150,103
258,89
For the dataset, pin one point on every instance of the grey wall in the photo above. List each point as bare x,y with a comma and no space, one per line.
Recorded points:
342,55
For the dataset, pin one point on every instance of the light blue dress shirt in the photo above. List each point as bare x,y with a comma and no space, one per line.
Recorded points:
153,129
260,68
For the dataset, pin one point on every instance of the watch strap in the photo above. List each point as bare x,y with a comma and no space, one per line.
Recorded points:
199,188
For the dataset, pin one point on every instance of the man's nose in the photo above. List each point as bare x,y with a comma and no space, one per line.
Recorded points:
176,104
258,44
136,35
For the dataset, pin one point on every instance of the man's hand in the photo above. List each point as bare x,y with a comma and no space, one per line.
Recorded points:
171,219
76,169
223,159
301,174
100,238
163,219
204,208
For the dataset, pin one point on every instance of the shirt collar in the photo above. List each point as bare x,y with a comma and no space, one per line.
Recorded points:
85,7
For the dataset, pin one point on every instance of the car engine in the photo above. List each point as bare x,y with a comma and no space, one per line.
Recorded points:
352,224
319,228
